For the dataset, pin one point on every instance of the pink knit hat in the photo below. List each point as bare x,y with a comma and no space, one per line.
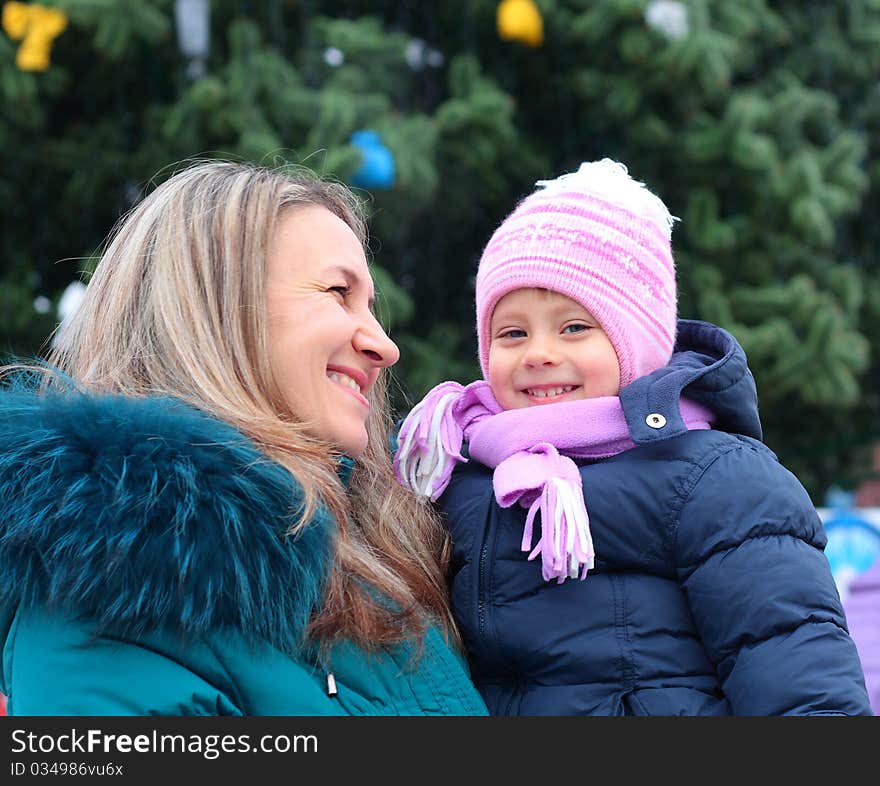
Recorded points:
604,240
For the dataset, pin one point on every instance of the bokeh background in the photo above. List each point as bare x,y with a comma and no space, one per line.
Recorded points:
757,122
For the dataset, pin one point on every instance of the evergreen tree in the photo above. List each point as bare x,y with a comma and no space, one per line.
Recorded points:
755,121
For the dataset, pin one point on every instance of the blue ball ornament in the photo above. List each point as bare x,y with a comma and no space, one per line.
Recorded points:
378,169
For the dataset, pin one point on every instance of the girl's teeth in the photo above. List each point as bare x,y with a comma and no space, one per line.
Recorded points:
344,379
550,392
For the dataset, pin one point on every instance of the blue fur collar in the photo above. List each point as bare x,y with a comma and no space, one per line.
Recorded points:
147,512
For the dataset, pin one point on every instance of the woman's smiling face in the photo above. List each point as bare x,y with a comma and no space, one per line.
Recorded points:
325,345
545,347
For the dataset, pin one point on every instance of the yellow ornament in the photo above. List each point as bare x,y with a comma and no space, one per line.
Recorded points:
520,20
38,26
15,19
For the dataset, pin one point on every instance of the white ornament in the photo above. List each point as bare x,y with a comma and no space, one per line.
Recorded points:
415,54
418,55
334,57
192,18
668,17
434,58
70,300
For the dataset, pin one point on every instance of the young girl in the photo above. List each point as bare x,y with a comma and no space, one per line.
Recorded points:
681,567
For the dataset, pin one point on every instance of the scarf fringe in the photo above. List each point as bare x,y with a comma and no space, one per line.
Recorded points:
429,442
566,543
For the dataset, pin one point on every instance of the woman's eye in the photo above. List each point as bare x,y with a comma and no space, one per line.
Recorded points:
342,290
577,328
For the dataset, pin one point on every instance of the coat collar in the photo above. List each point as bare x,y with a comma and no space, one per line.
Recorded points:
148,513
708,366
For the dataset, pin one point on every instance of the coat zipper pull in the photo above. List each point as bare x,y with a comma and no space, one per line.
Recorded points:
331,684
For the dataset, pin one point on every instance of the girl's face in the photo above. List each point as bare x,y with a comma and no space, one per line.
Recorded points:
545,347
325,346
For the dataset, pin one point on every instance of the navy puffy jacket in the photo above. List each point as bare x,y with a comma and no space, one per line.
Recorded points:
711,594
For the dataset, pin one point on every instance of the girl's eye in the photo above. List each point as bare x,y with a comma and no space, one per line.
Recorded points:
577,328
513,333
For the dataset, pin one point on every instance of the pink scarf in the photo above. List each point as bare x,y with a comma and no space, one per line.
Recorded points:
531,451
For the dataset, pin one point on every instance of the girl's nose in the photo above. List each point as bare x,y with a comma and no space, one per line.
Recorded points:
540,353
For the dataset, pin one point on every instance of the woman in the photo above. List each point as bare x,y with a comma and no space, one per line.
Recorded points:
200,512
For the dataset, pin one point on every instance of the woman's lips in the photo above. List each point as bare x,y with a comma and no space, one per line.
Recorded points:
350,380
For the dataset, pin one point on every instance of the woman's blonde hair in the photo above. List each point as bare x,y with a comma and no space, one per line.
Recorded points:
176,307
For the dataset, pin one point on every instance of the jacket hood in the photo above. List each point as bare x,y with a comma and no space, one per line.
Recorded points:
708,366
147,513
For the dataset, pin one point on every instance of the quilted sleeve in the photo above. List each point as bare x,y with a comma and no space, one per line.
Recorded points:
749,552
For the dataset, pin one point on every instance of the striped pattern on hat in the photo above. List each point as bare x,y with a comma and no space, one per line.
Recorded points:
604,240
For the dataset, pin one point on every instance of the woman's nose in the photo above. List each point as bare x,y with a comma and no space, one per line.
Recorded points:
372,341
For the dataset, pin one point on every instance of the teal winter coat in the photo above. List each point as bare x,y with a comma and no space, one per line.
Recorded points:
144,571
